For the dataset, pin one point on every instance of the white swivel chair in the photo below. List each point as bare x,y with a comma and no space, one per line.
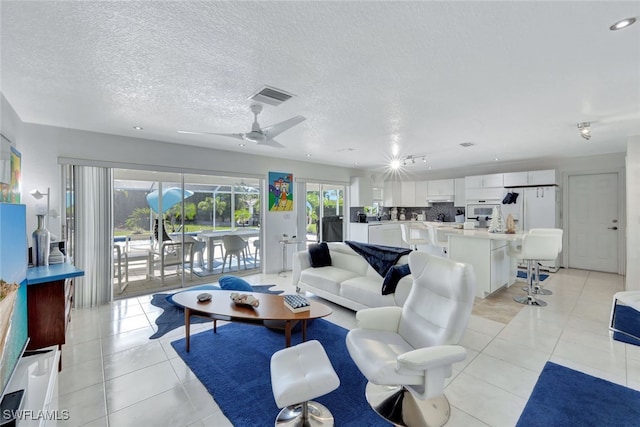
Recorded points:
414,235
439,248
406,353
535,247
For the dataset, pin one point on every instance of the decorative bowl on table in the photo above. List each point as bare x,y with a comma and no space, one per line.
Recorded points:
244,299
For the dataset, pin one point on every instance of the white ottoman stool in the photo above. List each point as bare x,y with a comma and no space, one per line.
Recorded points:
299,374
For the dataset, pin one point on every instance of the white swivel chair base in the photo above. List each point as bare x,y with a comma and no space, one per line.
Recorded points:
397,405
294,416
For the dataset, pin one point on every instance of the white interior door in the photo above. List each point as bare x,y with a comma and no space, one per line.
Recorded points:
594,222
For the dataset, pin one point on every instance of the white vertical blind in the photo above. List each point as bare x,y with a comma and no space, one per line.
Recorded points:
93,235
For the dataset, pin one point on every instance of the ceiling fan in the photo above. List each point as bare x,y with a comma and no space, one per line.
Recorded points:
261,136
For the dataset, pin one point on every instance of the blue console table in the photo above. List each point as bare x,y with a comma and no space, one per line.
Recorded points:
49,303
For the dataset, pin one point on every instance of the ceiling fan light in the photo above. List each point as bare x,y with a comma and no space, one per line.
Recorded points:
623,23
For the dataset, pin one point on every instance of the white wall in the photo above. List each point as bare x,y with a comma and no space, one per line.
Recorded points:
43,145
10,123
633,214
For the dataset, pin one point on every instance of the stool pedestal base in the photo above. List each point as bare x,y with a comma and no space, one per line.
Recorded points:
398,406
315,414
538,290
529,300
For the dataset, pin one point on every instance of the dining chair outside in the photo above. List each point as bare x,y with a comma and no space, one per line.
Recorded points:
234,245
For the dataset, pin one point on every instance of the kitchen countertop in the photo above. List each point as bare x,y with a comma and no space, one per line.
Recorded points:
484,234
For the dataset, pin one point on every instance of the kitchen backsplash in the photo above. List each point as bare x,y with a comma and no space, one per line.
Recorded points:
446,209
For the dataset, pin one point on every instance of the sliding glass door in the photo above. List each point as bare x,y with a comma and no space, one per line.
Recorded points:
324,212
168,223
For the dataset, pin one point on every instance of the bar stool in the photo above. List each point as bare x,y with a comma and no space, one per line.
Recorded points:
557,233
414,235
439,247
535,247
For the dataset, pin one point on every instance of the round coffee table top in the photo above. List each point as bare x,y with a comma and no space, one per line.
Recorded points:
271,306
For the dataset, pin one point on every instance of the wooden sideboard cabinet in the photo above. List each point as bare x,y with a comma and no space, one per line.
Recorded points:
49,302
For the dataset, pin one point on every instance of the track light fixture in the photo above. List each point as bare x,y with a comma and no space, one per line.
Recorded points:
403,161
585,130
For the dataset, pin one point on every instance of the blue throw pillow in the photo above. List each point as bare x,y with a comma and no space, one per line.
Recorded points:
393,276
233,283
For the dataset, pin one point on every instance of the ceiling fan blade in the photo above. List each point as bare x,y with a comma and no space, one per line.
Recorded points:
230,135
275,130
271,143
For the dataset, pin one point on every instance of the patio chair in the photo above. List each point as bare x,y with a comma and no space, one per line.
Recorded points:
173,254
233,245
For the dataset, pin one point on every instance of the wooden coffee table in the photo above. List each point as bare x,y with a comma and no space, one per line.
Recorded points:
271,308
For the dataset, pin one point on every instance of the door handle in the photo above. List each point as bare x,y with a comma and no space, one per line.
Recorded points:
613,228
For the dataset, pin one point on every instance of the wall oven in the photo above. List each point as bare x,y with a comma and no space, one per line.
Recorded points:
480,213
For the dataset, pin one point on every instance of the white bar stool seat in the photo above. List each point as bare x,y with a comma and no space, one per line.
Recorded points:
535,247
299,374
414,235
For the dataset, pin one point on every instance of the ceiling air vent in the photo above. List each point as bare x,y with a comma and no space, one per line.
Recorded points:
467,144
271,95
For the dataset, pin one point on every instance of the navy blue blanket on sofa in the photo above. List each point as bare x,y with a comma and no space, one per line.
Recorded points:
380,257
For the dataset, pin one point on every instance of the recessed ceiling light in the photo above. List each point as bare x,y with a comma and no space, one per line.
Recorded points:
241,145
137,127
308,155
356,163
496,159
624,23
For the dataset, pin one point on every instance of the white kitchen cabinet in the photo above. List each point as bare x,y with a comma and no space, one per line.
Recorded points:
484,187
459,193
359,232
500,266
544,177
516,179
408,194
530,178
421,194
440,189
360,191
489,259
392,193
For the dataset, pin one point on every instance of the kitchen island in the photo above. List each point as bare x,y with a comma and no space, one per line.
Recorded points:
488,253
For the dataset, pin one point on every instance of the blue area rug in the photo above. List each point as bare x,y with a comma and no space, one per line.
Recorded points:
173,317
234,366
523,275
564,397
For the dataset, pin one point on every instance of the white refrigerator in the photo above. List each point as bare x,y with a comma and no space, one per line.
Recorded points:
535,207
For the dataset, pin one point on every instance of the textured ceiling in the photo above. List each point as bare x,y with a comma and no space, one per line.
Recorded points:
514,78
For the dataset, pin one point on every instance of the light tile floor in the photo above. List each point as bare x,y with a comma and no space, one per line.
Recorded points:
115,376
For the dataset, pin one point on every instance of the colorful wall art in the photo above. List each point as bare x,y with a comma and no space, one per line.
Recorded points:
280,191
10,169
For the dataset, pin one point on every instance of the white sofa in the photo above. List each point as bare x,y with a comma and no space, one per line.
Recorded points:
350,281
